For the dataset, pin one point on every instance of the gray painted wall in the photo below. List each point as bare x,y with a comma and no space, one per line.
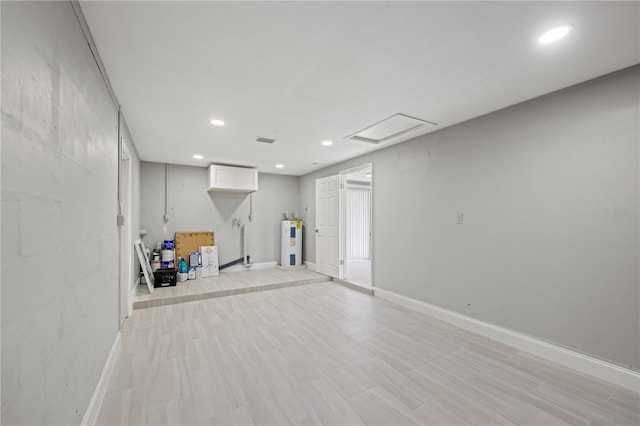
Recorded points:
59,233
192,208
541,250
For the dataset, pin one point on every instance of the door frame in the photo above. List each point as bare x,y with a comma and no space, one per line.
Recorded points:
342,235
125,240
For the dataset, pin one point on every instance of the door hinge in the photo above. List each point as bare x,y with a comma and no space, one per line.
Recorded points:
341,261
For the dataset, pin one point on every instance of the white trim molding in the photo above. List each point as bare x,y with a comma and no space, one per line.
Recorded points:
256,266
310,266
354,286
91,415
586,364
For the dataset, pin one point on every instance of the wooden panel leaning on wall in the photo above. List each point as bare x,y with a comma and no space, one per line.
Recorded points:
189,242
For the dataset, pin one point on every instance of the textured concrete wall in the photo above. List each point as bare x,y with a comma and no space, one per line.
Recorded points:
192,208
59,233
549,191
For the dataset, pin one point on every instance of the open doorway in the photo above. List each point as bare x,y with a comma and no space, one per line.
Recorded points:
357,218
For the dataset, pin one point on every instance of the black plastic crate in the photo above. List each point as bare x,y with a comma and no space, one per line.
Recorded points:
164,277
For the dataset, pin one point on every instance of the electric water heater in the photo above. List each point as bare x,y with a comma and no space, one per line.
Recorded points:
291,245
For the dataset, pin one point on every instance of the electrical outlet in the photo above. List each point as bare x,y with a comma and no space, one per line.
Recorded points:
460,218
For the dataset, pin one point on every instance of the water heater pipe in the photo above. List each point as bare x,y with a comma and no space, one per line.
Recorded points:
166,193
246,259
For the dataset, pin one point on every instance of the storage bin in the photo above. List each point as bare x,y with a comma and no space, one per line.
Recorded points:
164,277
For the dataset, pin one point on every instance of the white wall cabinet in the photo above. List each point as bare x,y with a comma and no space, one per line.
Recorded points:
232,179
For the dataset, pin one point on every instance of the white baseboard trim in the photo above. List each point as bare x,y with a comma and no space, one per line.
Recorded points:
355,287
310,266
256,266
91,415
567,358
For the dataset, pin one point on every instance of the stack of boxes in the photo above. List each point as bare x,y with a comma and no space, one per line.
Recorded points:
165,276
167,272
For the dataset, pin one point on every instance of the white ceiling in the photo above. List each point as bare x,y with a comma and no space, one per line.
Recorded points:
304,72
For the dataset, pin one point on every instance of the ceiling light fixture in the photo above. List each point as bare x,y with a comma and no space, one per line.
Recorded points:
554,34
217,122
279,166
327,143
368,175
198,156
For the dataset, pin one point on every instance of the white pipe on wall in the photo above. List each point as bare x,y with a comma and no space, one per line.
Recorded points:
247,262
166,193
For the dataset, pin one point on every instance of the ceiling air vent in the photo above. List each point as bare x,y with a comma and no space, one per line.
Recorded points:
388,128
265,140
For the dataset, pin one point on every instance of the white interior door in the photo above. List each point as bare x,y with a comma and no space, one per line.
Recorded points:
327,230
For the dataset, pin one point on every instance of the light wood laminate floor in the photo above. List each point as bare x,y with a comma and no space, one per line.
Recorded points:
325,354
226,284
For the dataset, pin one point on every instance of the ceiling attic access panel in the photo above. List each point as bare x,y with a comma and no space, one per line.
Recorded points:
232,179
390,128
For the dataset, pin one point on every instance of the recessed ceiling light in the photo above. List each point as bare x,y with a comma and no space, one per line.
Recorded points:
217,122
279,166
368,175
554,34
327,143
198,156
